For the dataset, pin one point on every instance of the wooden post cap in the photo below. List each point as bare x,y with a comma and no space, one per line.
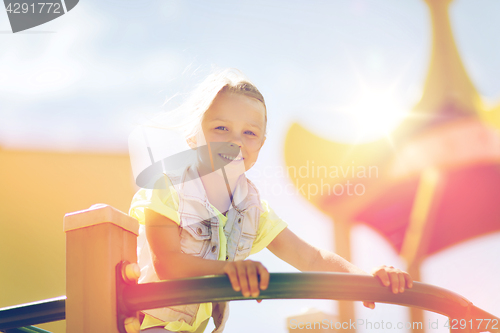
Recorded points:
98,214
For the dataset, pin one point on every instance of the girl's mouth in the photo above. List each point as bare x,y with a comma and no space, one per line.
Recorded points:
231,158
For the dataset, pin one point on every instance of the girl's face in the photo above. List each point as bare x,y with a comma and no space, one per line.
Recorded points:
236,119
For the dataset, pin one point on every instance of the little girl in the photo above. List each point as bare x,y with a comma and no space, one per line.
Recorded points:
207,219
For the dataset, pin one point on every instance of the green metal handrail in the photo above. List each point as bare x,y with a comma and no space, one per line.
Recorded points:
33,313
27,329
334,286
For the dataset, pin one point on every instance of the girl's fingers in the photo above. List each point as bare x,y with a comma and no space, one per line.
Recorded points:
264,276
253,280
401,282
394,281
383,276
396,278
409,280
242,277
369,305
233,277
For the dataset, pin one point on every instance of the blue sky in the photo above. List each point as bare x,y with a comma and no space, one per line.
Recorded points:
84,80
97,69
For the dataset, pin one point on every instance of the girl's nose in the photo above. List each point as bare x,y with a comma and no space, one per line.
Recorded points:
234,148
236,140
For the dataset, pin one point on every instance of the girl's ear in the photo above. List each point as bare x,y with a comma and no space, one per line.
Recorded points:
265,137
192,142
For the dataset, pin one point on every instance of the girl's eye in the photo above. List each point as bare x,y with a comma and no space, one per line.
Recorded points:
222,128
250,132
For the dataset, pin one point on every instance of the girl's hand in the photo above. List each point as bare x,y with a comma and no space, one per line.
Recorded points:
390,276
244,275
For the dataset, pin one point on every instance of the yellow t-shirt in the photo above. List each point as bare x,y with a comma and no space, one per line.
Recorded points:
165,201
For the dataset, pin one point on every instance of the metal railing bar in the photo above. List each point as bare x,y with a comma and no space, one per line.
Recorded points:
39,312
27,329
334,286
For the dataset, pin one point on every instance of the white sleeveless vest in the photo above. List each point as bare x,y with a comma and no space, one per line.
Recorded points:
199,233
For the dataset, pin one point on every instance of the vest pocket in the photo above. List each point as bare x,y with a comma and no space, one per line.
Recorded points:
244,246
195,237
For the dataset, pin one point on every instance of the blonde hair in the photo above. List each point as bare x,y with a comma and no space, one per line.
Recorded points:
188,117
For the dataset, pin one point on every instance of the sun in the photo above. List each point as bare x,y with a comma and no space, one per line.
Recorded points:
375,113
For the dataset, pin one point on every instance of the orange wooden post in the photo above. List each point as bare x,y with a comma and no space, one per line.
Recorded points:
97,239
419,230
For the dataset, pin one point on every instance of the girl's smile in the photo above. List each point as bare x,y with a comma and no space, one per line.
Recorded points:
231,158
